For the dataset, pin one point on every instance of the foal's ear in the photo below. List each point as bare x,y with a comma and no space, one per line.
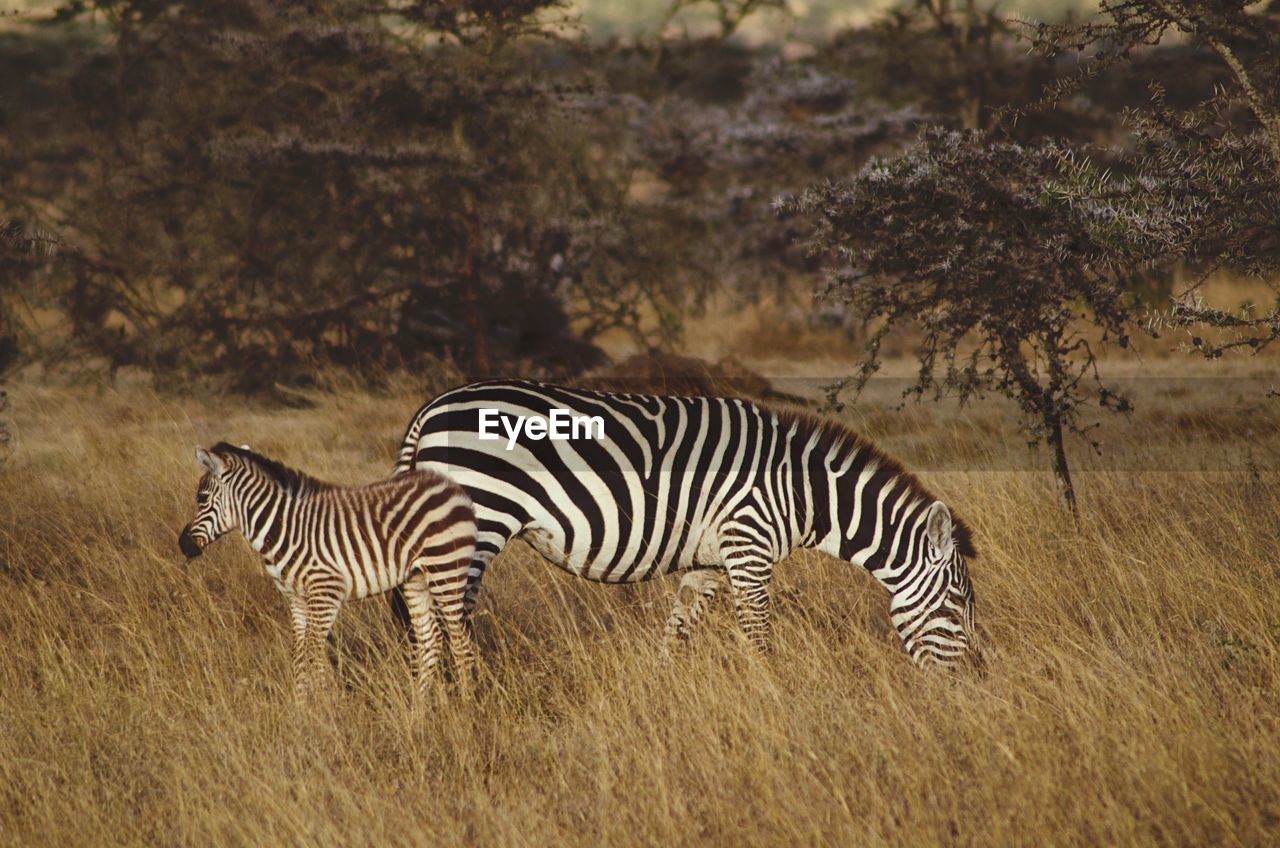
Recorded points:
937,526
210,462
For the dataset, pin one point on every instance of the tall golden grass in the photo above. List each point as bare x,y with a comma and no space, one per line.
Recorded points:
1131,697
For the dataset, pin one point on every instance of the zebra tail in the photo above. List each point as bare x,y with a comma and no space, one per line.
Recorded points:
409,443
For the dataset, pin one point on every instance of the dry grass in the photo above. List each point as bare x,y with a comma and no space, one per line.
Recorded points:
1133,695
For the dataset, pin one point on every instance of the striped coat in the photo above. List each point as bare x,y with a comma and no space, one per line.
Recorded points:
714,487
324,544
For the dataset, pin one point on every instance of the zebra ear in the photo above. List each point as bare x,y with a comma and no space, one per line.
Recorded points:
209,461
937,525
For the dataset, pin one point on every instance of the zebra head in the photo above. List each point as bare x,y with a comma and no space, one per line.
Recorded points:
215,505
933,611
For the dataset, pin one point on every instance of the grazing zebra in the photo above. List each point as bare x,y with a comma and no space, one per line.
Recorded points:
324,544
711,486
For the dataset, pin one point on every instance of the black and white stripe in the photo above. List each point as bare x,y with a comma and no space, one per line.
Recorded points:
324,544
713,486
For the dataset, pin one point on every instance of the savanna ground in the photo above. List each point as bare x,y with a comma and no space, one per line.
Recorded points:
1133,694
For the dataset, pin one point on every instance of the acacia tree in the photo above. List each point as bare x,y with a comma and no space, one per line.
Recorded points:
973,242
1006,253
1202,183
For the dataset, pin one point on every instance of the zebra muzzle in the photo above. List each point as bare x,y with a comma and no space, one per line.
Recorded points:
188,545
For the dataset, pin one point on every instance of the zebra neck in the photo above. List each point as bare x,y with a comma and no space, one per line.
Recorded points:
268,511
874,521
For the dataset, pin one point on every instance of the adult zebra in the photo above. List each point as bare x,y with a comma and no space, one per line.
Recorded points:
324,544
702,485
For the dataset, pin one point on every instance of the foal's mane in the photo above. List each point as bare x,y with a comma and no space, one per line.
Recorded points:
278,472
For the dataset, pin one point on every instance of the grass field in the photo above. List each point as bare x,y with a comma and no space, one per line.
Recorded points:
1132,695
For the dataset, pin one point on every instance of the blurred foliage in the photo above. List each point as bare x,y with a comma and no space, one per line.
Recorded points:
811,20
1202,181
249,187
720,128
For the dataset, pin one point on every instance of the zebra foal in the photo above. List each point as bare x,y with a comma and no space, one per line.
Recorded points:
324,544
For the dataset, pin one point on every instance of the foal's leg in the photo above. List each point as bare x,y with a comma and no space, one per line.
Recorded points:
426,630
298,616
322,605
448,588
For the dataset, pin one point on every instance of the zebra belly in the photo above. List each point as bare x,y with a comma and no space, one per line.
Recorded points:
626,569
630,558
646,499
367,576
376,582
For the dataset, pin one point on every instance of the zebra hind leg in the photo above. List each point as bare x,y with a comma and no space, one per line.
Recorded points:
447,592
400,607
426,632
475,573
695,592
447,579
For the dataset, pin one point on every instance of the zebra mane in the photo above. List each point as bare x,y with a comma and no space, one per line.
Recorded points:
835,434
289,478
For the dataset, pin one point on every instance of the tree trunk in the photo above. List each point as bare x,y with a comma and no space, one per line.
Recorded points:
1049,404
1058,459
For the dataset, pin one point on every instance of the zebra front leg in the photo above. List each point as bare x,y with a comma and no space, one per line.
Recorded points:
749,579
322,605
298,614
694,593
426,631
